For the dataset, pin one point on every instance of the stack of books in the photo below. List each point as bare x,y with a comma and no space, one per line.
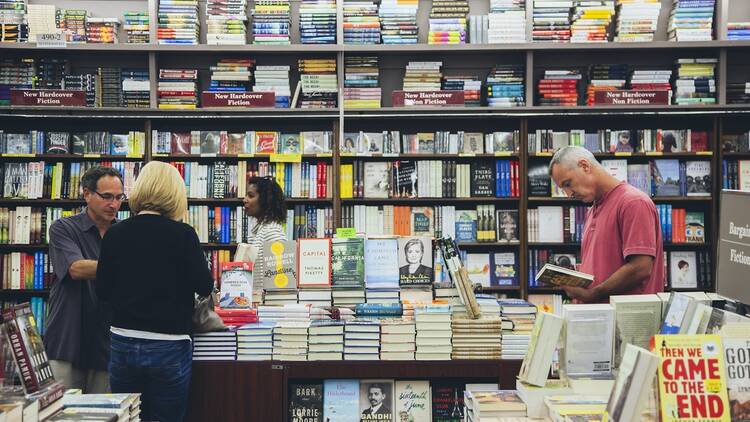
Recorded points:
423,76
551,20
227,22
255,341
317,21
505,86
361,22
290,340
651,79
283,297
691,20
42,19
398,19
695,83
136,88
433,332
232,75
637,20
178,88
236,317
507,22
319,83
73,24
15,74
286,312
518,322
109,87
470,85
13,24
87,82
137,27
737,93
605,77
361,82
271,21
314,297
383,295
362,340
591,21
102,30
219,345
50,73
477,338
178,22
347,296
494,404
478,29
398,339
123,407
274,79
448,22
326,340
738,31
559,88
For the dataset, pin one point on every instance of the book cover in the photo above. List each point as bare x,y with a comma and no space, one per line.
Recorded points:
341,400
210,141
422,221
315,142
314,260
698,178
683,269
306,402
466,226
507,226
564,260
736,340
348,262
616,168
413,401
478,268
373,141
377,180
473,143
180,143
415,261
376,400
482,180
695,231
279,267
639,176
265,142
672,140
19,326
622,141
665,177
58,142
503,142
236,143
349,144
18,143
236,285
589,338
289,143
504,269
426,143
381,263
539,180
692,380
447,400
405,177
553,275
629,395
538,358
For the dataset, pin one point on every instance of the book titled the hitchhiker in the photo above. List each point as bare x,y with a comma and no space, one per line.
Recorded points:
559,276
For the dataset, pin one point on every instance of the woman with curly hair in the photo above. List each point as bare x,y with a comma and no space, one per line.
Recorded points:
265,202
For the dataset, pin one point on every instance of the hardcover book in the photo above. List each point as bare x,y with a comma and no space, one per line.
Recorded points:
447,400
341,400
695,231
539,180
405,178
507,226
698,178
376,400
473,143
553,275
279,266
415,261
236,285
314,259
306,402
478,268
210,141
683,269
630,393
180,143
736,339
377,180
348,262
466,226
58,142
482,180
381,263
422,221
665,177
26,344
413,401
289,143
265,142
503,269
692,378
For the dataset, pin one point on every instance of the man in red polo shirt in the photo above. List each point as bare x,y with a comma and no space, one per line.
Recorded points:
622,244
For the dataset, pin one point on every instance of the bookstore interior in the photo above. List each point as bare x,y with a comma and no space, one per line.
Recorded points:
443,165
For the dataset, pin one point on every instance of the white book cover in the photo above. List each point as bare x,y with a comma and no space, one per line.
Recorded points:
377,179
683,269
589,338
478,268
413,401
550,224
617,168
314,265
381,263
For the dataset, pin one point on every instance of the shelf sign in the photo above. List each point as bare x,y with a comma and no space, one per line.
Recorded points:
285,158
427,98
636,97
238,99
47,97
51,40
346,232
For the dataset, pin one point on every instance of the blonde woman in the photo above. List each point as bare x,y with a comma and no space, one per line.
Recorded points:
150,267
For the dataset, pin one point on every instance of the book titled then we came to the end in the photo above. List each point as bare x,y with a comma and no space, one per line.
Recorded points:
560,276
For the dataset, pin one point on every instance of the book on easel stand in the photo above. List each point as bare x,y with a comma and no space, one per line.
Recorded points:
30,361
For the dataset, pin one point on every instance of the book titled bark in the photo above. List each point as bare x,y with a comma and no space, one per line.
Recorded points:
306,402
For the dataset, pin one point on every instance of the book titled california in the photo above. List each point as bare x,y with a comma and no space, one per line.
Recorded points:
692,378
559,276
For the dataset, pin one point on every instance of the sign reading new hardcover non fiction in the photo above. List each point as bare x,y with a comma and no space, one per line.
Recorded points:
427,98
637,97
47,97
238,99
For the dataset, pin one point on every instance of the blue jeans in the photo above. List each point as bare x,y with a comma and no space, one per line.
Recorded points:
158,369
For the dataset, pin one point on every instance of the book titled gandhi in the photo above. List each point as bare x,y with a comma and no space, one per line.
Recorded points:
559,276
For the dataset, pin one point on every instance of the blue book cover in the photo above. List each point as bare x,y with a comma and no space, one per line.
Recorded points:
669,223
341,400
391,309
503,269
665,176
466,226
381,263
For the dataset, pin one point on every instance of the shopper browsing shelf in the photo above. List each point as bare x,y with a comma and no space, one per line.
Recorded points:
265,202
622,244
77,339
150,268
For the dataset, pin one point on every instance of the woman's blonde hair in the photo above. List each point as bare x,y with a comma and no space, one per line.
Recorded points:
159,188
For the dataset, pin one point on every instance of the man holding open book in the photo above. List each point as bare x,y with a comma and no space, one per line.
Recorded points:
622,244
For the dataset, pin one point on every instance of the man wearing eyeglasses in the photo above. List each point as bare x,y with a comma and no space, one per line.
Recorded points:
77,334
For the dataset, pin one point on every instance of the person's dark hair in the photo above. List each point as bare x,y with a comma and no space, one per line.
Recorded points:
682,264
271,199
379,386
92,176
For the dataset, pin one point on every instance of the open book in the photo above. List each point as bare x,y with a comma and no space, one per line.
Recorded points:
560,276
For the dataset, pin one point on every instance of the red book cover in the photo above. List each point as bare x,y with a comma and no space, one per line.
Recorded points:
27,348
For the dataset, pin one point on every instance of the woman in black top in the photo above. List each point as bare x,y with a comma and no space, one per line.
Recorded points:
150,267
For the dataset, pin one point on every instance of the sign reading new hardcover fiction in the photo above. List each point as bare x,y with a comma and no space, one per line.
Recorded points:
238,99
47,97
635,97
427,98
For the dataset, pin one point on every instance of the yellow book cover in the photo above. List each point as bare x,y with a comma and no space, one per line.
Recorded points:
347,179
692,385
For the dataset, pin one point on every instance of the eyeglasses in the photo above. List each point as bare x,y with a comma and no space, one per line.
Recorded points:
110,197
